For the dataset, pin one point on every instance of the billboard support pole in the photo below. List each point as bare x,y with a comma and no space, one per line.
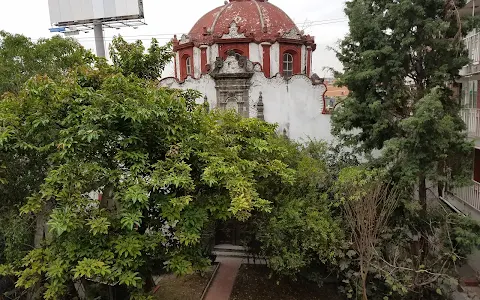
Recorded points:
99,39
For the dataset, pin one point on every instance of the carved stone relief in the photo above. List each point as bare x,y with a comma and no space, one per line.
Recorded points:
184,39
293,34
233,32
232,104
232,81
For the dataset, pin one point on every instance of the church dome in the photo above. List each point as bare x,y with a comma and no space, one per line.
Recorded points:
256,19
253,29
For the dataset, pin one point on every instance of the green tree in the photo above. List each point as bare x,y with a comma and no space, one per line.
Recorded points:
166,168
132,58
396,54
23,170
21,59
301,232
401,60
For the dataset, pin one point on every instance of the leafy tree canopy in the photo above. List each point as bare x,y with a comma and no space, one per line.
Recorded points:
166,169
21,58
132,59
400,59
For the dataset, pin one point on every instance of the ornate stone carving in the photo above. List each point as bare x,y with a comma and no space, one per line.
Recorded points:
233,32
293,34
316,80
206,104
184,39
232,103
218,63
260,108
233,66
242,61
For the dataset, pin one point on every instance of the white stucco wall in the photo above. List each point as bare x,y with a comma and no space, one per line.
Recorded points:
213,53
304,60
197,62
177,59
207,50
256,53
295,105
274,59
205,85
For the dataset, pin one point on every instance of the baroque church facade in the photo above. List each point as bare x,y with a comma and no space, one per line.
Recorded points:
248,55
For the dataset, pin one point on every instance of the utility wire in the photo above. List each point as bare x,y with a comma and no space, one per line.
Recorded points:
168,36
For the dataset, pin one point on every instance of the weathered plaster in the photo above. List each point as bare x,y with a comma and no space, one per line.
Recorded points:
256,53
213,53
303,65
197,58
275,59
177,63
295,104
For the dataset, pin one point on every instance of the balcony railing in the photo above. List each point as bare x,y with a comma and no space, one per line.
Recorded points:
472,44
471,117
469,195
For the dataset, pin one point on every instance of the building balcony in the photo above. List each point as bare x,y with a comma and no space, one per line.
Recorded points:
466,199
471,8
471,117
473,46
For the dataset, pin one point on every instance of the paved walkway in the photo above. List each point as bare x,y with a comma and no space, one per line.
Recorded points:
222,284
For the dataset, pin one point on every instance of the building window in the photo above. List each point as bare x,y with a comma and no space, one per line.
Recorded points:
287,65
469,94
188,64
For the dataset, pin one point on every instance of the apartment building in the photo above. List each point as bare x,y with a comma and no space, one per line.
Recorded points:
467,199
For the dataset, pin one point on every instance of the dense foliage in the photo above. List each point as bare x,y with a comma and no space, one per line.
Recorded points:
21,58
401,60
165,167
132,58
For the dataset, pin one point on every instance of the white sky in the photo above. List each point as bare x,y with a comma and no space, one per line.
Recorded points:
165,17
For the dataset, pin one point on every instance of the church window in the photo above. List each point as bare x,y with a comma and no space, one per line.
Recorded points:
287,65
188,64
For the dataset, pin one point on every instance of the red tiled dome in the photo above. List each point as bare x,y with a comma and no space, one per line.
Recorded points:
257,19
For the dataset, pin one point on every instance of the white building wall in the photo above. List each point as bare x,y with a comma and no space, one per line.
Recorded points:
295,105
205,85
274,59
197,62
213,53
177,59
256,53
207,50
304,60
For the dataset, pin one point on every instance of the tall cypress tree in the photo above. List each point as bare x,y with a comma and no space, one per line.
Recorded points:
401,60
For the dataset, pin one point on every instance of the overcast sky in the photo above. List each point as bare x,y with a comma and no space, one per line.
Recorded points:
323,19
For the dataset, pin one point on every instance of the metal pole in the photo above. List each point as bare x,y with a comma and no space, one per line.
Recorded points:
99,40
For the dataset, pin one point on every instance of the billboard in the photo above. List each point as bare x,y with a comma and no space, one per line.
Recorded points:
76,12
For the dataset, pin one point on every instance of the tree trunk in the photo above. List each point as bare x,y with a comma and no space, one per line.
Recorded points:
41,224
107,201
41,232
363,275
440,187
422,193
149,284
